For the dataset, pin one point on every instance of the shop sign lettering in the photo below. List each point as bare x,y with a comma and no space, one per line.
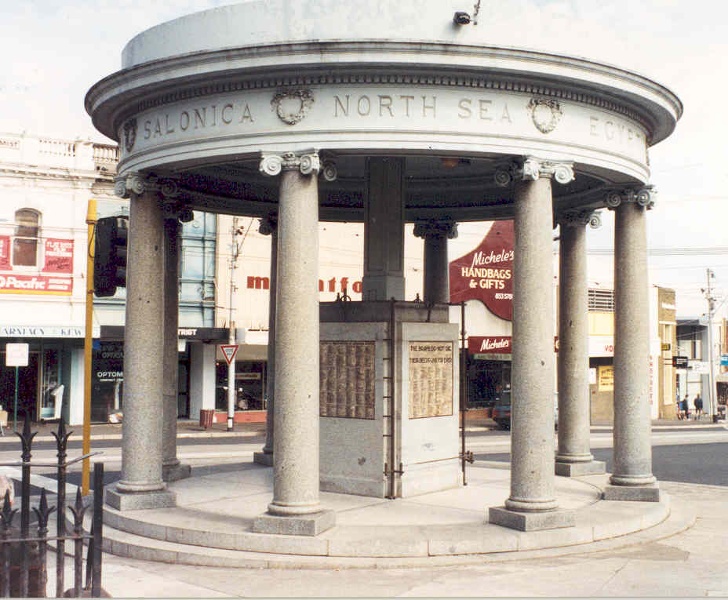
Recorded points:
486,273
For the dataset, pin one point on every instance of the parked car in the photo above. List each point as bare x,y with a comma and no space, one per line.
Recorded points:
502,410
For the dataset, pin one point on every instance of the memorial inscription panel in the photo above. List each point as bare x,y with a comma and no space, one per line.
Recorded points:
346,380
430,379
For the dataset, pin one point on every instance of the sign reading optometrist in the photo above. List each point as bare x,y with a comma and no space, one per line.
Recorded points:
486,273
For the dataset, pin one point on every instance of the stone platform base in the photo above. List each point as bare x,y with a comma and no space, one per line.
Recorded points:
261,458
212,525
535,521
139,500
310,525
594,467
637,493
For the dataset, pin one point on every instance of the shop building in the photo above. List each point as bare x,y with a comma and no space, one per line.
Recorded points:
46,187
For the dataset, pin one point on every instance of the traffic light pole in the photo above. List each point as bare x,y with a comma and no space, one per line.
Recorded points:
88,346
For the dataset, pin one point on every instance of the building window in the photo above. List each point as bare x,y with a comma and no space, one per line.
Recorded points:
25,242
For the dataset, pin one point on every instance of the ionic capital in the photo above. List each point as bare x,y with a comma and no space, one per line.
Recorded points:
433,228
644,197
576,218
268,224
532,169
141,183
308,163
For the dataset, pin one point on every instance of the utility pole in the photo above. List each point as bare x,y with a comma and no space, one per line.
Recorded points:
234,250
711,366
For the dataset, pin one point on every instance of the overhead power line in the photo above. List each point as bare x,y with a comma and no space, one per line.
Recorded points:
693,251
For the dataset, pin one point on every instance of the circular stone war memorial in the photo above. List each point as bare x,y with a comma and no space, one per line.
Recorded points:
384,113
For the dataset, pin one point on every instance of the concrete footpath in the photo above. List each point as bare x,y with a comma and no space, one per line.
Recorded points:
682,554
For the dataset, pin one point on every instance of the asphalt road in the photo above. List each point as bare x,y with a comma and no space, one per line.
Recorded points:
686,463
680,454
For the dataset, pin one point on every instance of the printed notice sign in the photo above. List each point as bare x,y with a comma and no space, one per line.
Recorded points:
16,355
430,379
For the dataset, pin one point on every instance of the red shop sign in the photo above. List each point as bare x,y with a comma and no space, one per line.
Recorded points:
486,273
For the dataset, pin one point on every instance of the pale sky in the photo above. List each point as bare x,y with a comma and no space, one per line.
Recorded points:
54,50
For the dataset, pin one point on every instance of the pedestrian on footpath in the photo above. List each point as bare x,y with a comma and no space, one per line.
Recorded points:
698,404
682,411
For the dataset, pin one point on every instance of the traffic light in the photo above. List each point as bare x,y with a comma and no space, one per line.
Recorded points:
110,250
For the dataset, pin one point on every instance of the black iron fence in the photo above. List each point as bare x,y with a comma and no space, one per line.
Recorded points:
24,549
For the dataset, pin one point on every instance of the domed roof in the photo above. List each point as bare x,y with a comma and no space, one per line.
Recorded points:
266,22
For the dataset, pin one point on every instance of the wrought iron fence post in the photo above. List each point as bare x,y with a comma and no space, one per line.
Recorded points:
97,530
23,557
78,511
6,518
27,440
42,513
62,444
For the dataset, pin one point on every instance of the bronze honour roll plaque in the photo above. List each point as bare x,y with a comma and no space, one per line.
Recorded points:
347,380
431,379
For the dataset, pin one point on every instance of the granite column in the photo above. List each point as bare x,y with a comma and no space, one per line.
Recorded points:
436,281
632,477
269,226
172,468
532,502
574,457
296,508
141,484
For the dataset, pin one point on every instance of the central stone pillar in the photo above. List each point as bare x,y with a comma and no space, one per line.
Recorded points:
436,282
141,484
632,478
532,503
574,457
384,230
295,509
269,226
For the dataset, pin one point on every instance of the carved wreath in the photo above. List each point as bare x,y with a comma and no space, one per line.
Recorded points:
292,106
545,113
130,131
